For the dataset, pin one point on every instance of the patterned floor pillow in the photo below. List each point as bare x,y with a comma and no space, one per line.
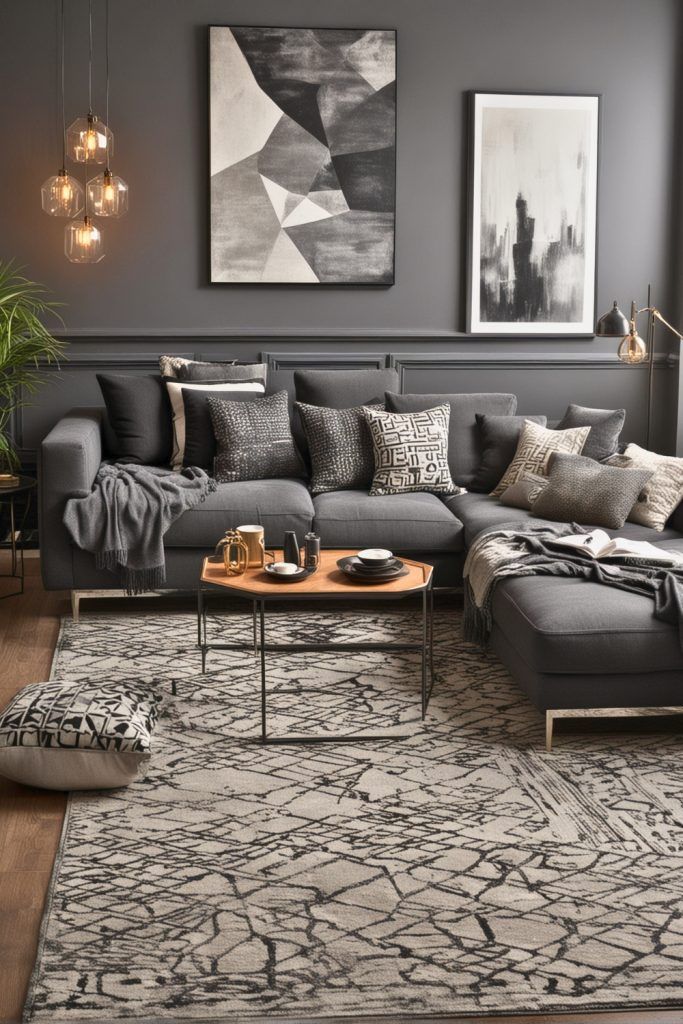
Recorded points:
66,735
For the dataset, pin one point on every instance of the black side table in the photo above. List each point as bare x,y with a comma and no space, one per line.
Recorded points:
22,491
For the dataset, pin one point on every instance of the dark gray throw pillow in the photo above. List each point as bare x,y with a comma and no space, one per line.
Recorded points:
254,439
139,413
580,490
200,441
606,426
340,446
464,450
499,437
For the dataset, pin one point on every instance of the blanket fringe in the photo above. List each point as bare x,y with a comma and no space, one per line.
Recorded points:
476,622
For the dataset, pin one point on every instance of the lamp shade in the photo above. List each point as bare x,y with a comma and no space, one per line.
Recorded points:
613,324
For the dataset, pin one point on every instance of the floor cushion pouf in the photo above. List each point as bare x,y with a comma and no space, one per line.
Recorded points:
77,735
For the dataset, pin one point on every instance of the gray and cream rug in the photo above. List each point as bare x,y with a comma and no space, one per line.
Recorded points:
457,869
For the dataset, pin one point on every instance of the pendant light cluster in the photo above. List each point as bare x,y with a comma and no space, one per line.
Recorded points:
87,141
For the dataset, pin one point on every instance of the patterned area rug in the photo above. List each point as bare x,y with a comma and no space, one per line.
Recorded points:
455,868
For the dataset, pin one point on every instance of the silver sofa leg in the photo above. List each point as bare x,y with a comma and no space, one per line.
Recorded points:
549,722
75,605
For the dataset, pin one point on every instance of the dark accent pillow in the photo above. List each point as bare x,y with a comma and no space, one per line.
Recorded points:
254,440
344,389
464,450
340,444
606,426
140,416
411,451
580,490
499,437
200,442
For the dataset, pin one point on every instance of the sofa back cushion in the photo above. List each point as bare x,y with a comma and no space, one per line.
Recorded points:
464,445
344,389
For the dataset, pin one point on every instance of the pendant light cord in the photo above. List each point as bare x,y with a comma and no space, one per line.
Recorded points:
61,70
106,70
90,56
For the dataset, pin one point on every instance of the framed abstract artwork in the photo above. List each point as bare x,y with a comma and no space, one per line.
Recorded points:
303,155
533,214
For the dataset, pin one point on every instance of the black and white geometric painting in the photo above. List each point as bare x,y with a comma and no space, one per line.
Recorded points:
533,214
303,155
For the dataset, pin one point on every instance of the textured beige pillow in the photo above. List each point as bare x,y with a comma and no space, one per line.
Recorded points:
663,491
536,445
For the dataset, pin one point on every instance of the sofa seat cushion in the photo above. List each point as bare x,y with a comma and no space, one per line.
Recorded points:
481,512
417,522
278,505
572,626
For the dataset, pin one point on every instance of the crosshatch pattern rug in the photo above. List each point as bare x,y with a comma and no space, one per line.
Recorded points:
458,869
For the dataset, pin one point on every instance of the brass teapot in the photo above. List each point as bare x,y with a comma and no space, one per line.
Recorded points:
235,553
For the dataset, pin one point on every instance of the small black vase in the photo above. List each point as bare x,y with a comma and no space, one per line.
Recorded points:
290,548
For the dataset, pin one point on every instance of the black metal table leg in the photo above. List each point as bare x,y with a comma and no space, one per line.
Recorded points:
424,654
262,608
253,616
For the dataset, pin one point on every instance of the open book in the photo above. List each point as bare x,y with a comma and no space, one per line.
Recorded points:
597,544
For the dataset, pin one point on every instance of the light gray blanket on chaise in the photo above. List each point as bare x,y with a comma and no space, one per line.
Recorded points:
511,551
123,520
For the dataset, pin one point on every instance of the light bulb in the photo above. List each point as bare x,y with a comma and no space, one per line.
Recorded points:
62,195
632,349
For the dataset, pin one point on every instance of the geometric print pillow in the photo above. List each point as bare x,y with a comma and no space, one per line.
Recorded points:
535,446
663,491
77,735
411,451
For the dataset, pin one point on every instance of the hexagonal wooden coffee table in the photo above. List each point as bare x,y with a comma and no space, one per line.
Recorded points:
327,583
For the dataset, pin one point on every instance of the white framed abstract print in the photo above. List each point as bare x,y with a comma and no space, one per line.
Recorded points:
532,214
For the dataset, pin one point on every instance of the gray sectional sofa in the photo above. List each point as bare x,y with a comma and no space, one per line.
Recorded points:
568,643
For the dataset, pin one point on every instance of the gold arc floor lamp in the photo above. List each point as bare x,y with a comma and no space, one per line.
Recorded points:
632,349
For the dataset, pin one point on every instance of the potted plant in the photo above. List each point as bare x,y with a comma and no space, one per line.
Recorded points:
26,345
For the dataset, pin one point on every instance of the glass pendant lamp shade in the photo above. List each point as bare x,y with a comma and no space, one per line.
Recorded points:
89,140
83,242
62,195
108,195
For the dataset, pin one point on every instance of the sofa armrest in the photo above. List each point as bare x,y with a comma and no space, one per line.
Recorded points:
68,462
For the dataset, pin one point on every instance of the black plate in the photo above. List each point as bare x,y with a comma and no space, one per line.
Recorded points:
302,573
349,565
393,563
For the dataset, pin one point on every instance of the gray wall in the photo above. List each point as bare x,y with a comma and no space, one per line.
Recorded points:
153,283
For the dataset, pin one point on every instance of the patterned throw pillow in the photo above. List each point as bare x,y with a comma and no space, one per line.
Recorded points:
215,373
341,447
411,451
581,490
663,491
254,440
536,445
524,492
85,735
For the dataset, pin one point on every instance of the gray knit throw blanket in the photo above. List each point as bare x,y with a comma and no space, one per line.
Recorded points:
511,551
123,520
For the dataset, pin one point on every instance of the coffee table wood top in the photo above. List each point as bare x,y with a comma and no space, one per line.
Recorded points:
328,580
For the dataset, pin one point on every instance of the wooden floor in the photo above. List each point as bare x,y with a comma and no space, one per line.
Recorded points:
31,820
